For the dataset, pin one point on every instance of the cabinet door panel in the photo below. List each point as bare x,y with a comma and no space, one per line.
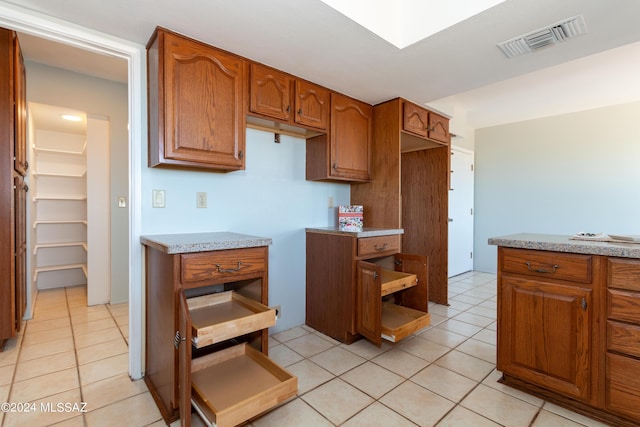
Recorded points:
204,93
351,124
415,119
369,302
416,297
544,334
438,128
312,105
270,92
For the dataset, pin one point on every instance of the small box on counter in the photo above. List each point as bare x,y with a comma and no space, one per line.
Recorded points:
350,218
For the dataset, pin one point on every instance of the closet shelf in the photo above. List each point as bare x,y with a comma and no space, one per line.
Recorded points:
60,268
71,198
58,245
60,175
55,222
54,151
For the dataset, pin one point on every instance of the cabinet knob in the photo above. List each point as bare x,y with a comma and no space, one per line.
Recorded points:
300,111
583,304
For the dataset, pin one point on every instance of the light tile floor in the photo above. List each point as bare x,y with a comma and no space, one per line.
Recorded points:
442,376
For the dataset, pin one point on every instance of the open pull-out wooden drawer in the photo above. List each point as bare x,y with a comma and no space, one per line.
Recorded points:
376,319
230,386
225,315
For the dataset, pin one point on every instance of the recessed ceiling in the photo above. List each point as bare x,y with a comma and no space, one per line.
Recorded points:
403,23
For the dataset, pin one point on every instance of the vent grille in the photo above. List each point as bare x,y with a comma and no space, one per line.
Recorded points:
534,40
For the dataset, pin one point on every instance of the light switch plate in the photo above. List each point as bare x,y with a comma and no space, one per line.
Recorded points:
201,199
158,199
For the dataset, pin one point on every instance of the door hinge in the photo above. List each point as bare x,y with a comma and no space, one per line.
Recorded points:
471,255
472,167
471,211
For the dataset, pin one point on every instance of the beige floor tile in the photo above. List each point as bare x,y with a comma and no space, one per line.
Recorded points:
45,365
296,413
45,325
9,355
6,374
46,412
462,417
77,421
104,368
566,413
110,390
444,337
87,316
479,310
337,400
93,326
487,335
308,345
290,334
42,337
474,319
418,404
53,312
500,407
423,348
444,382
367,349
373,379
549,419
100,351
492,381
469,366
479,349
400,362
443,310
461,328
4,394
52,347
377,414
45,385
122,320
119,309
93,338
309,375
139,410
283,355
337,360
459,305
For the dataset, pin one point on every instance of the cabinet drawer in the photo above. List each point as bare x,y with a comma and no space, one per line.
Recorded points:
221,316
622,389
374,246
399,322
623,305
623,338
548,265
224,265
394,281
233,385
623,274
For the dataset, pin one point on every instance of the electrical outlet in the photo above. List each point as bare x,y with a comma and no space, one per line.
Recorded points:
278,311
330,202
201,200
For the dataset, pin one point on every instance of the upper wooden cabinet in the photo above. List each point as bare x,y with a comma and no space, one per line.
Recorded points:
196,104
344,154
425,123
278,95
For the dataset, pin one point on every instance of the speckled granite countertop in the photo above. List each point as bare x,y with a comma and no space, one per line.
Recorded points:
202,242
562,243
366,231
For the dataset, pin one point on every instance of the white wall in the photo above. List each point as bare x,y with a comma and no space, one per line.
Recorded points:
270,198
558,175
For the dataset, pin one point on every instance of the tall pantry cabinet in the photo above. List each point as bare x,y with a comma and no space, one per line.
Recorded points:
13,166
409,186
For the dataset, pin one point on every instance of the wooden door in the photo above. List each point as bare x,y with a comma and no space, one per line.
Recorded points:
460,230
312,105
544,334
351,134
183,347
369,301
20,112
270,92
204,99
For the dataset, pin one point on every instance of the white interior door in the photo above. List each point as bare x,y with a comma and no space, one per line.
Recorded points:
461,212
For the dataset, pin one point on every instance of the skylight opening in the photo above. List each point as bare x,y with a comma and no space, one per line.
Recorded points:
405,22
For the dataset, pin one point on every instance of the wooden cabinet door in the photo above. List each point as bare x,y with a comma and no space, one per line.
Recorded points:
351,133
203,101
270,92
369,301
312,105
183,347
415,119
20,191
20,112
438,128
544,334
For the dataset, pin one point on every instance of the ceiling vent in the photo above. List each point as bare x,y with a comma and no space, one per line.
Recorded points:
549,35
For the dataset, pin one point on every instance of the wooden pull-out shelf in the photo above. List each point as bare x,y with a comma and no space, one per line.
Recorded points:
394,281
221,316
399,322
236,384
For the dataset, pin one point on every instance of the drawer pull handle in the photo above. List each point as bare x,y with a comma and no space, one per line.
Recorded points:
228,270
177,340
381,248
542,270
583,304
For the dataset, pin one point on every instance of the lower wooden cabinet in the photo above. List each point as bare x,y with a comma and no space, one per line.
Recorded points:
362,287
